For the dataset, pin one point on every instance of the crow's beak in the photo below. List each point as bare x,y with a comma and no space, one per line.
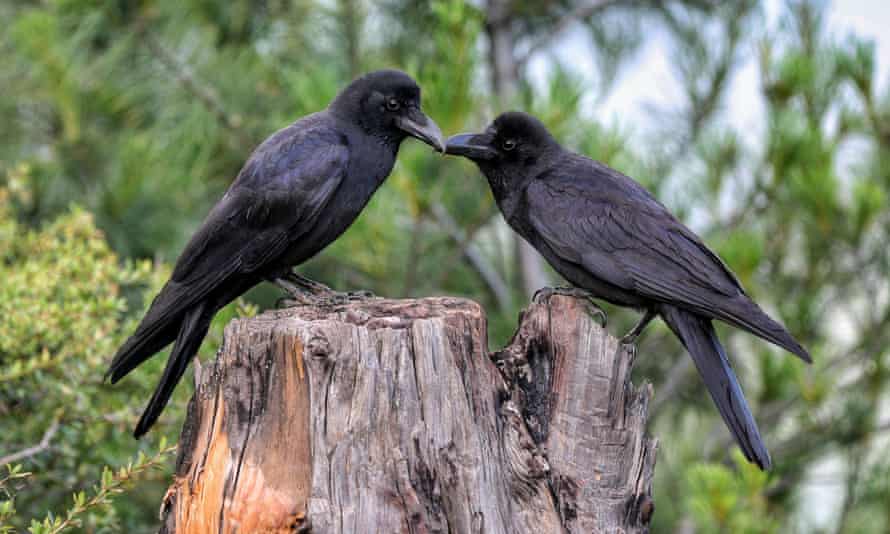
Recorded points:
472,146
418,125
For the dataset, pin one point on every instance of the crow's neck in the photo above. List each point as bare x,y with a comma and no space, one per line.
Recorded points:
506,190
347,104
348,112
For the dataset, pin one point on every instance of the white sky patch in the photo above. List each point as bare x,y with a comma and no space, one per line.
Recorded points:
648,80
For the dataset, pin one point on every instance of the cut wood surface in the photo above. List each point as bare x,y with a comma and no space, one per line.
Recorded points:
392,416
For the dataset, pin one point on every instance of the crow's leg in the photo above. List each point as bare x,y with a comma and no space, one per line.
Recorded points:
325,292
631,337
543,295
296,295
307,284
338,298
289,287
304,291
300,290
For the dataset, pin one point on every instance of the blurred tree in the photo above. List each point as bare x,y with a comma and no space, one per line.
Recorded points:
142,113
800,212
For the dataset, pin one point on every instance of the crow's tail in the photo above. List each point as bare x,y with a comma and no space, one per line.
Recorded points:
191,333
747,315
157,329
700,339
142,345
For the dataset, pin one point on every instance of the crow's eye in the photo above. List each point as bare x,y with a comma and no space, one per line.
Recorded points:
508,144
392,104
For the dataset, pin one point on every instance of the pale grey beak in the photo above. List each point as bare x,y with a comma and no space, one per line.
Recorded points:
418,125
471,146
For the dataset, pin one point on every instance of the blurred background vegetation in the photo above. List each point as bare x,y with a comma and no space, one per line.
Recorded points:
123,122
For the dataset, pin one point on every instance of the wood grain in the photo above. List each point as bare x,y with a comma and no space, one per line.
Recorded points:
391,416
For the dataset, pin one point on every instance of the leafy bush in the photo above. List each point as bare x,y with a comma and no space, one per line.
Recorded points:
67,302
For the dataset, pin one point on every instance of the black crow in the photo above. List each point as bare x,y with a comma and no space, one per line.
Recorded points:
608,236
300,189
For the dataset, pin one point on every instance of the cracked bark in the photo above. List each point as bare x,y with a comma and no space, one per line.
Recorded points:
391,416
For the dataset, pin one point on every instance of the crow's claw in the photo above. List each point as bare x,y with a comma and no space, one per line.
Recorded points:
543,295
339,298
302,291
293,302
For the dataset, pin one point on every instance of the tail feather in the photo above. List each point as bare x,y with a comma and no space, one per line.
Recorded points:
142,345
700,339
157,329
747,315
191,334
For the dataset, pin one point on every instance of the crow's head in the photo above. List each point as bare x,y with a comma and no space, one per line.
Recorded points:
386,104
515,143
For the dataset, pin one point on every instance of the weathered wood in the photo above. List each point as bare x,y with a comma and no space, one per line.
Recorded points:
391,416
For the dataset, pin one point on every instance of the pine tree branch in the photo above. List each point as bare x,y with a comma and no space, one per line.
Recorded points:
34,450
184,76
579,12
486,271
111,483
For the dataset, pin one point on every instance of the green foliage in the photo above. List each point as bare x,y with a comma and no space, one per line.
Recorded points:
7,499
63,298
723,499
99,499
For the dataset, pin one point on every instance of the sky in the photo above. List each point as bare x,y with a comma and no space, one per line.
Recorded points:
648,80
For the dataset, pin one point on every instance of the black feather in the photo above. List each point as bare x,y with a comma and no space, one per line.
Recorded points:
606,233
194,328
700,339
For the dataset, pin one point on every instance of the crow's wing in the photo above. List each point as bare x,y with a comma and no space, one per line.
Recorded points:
622,235
278,196
597,218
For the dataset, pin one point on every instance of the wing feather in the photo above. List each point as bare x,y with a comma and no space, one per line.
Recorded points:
268,208
637,246
277,197
610,225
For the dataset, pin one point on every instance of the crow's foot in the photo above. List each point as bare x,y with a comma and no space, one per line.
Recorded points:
302,291
331,298
631,337
543,295
339,298
295,301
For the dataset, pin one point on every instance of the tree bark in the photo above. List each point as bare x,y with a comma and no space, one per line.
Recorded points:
391,416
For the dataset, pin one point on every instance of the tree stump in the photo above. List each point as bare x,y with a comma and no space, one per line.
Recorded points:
391,416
